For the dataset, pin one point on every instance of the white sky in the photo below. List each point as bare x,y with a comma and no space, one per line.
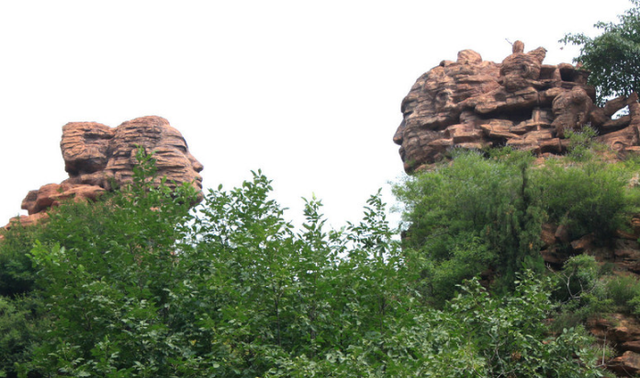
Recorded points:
307,91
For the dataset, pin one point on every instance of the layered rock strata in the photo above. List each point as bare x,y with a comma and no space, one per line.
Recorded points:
99,158
520,102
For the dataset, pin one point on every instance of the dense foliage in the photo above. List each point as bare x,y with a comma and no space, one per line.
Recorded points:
470,216
483,213
136,285
614,56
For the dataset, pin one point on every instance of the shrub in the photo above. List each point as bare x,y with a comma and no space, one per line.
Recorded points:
580,292
581,143
622,290
484,212
588,198
17,275
21,328
482,206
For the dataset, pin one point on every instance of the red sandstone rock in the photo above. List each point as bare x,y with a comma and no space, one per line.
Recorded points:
26,220
632,345
520,102
80,193
625,255
562,234
626,365
571,110
548,235
583,243
625,235
84,147
171,153
96,156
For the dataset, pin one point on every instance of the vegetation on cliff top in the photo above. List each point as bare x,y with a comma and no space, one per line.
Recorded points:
483,213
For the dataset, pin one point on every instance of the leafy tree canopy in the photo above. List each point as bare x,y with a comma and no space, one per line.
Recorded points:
614,56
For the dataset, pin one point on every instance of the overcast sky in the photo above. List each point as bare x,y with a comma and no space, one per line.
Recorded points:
307,91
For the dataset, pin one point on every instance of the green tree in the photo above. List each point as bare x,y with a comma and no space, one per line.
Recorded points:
103,270
612,57
470,216
476,335
483,214
591,197
139,286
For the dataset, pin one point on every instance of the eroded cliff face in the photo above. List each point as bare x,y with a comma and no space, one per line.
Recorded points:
520,102
523,103
98,157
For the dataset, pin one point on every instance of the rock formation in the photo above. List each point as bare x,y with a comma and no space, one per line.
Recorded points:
98,157
521,102
525,104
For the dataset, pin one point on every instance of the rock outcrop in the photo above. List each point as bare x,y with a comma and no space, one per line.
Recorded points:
98,157
525,104
520,102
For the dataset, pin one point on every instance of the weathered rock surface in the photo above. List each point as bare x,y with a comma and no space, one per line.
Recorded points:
622,332
97,156
622,253
520,102
625,365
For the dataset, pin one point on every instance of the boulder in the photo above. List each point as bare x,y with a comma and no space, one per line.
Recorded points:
99,158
